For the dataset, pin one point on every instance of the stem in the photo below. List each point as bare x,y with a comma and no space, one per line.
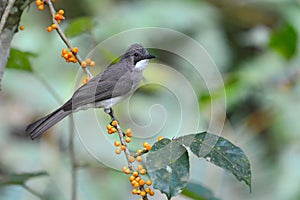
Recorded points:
64,38
32,191
5,14
126,151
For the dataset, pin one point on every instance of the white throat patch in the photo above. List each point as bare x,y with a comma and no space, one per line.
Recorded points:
141,65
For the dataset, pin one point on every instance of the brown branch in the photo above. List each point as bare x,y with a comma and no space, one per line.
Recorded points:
5,14
64,38
126,150
8,26
33,192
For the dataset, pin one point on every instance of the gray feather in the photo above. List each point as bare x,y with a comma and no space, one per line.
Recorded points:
39,127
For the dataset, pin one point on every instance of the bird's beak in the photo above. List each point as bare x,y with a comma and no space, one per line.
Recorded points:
150,56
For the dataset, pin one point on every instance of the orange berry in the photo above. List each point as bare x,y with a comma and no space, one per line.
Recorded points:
131,159
131,178
117,143
113,129
160,138
38,2
148,147
49,29
65,56
143,171
135,184
118,151
139,158
72,59
135,173
134,191
140,151
114,123
61,12
127,139
109,127
87,79
54,26
138,179
64,51
58,21
148,182
127,171
123,147
83,64
58,17
142,182
88,61
75,50
151,192
124,168
22,28
143,193
70,54
147,190
128,132
93,63
41,7
145,144
140,167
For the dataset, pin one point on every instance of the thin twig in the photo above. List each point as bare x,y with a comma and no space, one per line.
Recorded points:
64,38
6,14
126,150
32,191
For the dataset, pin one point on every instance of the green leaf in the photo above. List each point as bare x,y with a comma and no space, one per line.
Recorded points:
18,179
20,60
220,152
168,167
198,192
79,26
284,41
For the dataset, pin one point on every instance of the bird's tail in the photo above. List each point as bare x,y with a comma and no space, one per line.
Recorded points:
38,127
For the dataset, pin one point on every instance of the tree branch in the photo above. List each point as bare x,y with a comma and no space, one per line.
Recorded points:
126,150
10,12
64,38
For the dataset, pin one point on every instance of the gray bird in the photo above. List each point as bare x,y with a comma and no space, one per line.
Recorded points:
106,89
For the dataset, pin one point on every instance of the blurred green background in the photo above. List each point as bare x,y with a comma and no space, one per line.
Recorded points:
254,44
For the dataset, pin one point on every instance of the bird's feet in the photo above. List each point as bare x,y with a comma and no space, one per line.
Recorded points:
110,112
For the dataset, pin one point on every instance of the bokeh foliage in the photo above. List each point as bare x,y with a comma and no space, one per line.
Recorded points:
255,46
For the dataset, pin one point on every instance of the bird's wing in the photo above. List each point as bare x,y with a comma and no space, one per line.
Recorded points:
103,86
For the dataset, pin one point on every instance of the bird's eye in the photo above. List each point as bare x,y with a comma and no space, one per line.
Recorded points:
136,54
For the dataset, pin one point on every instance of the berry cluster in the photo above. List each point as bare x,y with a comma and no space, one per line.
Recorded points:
136,179
70,55
58,17
88,62
139,183
41,4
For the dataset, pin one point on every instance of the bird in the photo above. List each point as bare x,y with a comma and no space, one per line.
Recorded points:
111,86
